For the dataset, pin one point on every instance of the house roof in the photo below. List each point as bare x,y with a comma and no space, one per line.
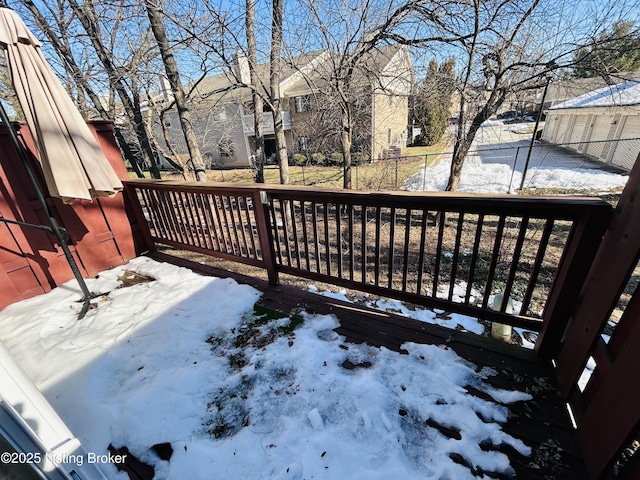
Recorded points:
301,74
627,93
226,86
370,70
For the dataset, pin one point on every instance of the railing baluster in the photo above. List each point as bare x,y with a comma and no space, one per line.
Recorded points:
193,219
250,223
240,202
494,261
210,207
284,205
204,220
542,249
436,270
339,237
316,237
351,246
327,244
305,237
226,224
218,202
173,214
514,263
376,260
154,213
405,259
179,211
294,232
363,243
392,230
233,205
456,254
276,230
474,258
167,204
421,255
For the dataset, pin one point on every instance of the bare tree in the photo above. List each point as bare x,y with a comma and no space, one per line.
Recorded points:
131,104
173,75
275,75
503,53
61,45
351,31
256,95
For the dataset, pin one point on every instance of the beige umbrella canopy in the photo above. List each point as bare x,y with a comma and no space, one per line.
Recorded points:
73,163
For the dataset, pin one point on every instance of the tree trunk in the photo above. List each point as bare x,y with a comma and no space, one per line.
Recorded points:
345,141
131,106
258,102
465,139
171,68
64,52
276,42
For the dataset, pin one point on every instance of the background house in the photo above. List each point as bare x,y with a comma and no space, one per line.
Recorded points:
595,123
222,109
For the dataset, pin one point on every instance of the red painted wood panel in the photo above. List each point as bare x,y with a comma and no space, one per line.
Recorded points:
100,233
614,412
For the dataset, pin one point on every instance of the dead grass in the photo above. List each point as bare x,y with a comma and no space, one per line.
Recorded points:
377,176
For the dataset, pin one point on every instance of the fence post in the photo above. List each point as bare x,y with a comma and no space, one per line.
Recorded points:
424,174
396,183
525,168
261,205
357,178
513,172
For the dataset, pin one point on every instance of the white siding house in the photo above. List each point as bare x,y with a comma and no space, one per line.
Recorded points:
221,108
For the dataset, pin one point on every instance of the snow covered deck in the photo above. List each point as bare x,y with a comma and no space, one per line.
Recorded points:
226,373
541,422
451,253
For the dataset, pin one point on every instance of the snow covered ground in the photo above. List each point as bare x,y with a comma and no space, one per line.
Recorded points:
185,359
489,168
437,317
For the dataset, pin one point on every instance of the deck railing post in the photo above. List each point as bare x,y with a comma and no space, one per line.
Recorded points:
583,243
141,233
261,203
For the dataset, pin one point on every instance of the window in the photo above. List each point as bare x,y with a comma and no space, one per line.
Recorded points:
303,103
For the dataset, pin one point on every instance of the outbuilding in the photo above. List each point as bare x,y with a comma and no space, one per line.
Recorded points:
601,124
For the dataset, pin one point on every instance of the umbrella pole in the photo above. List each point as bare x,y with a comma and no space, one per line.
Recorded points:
55,228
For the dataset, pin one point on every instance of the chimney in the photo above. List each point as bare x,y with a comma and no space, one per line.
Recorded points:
165,89
241,67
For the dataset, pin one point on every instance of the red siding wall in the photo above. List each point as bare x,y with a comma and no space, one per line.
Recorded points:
31,261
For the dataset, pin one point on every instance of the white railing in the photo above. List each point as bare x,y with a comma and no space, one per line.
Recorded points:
267,123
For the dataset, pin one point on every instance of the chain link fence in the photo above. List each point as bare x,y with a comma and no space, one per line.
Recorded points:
582,168
585,168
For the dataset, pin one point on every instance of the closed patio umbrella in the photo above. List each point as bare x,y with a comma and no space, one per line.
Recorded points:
73,163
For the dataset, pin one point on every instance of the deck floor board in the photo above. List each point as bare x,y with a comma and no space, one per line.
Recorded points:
542,423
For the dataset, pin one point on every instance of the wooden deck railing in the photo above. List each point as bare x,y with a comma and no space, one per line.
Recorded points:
451,252
444,251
